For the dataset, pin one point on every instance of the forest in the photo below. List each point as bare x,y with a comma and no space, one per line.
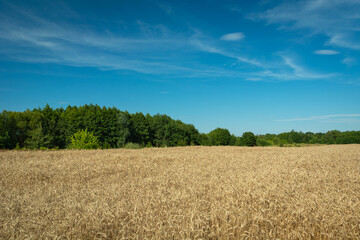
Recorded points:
92,126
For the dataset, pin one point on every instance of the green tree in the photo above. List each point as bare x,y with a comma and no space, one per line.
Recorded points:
348,137
159,130
35,135
220,136
7,130
139,128
330,137
248,139
122,128
50,128
233,140
205,140
53,127
261,141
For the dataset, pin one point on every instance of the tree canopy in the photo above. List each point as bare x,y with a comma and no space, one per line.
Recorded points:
220,136
56,128
248,139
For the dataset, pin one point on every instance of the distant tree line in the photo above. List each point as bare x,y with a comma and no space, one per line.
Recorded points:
293,137
92,126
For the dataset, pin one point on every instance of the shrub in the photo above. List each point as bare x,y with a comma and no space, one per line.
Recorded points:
262,142
84,140
181,143
106,145
131,145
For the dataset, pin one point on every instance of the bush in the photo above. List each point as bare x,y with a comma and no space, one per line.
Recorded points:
131,145
181,143
84,140
106,145
262,142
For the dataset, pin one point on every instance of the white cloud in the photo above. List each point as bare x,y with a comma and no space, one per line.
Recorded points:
336,19
313,118
38,40
349,61
326,52
206,47
343,40
233,36
288,70
254,79
30,38
155,50
342,120
302,73
201,45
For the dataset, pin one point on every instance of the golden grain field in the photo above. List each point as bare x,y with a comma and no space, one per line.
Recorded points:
182,193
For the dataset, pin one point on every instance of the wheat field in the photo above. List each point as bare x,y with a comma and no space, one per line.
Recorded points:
182,193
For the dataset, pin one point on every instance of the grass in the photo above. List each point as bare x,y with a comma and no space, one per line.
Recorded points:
182,193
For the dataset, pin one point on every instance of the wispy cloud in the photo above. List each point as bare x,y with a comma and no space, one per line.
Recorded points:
318,16
30,38
301,72
349,61
344,40
314,118
207,47
155,49
286,70
254,79
326,52
233,36
341,120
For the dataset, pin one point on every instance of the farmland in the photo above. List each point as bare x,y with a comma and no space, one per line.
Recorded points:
182,193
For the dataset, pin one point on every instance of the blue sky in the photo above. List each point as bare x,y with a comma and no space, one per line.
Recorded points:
260,66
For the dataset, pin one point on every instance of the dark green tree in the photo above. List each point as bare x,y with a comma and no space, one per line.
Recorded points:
330,137
139,129
52,128
7,130
233,140
220,136
248,139
348,137
205,140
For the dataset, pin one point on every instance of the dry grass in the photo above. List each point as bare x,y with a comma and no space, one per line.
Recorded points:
182,193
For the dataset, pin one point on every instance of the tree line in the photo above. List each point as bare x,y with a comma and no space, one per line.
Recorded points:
106,127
